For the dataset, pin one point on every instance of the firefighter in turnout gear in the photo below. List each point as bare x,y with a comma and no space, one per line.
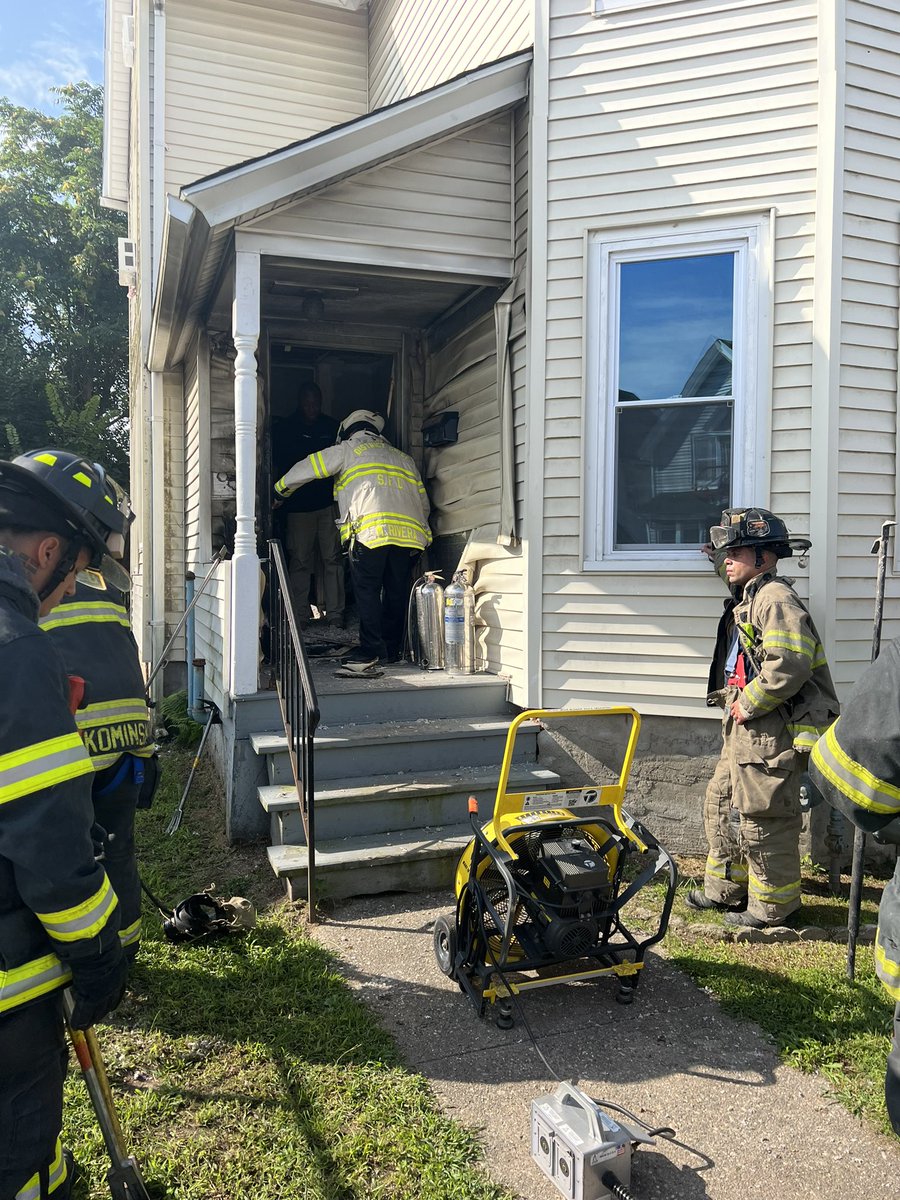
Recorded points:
383,523
770,675
59,916
856,767
93,635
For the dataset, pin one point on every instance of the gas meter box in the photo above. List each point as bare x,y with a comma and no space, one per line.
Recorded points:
576,1144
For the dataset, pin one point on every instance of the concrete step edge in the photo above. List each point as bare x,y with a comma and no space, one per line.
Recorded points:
276,797
381,849
338,737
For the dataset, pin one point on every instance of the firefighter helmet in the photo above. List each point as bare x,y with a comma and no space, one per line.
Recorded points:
360,418
65,494
757,527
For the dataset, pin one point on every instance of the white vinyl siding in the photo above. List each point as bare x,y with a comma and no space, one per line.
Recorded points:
417,44
211,632
116,106
681,113
198,478
867,438
173,500
463,480
244,78
446,207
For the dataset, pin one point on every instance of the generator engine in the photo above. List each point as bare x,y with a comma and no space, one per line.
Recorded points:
571,888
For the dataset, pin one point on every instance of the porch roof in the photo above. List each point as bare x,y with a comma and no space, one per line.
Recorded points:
197,230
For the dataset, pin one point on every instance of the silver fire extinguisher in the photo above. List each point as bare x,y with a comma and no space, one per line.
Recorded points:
459,626
428,597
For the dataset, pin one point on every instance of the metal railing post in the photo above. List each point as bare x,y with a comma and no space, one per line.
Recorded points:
297,700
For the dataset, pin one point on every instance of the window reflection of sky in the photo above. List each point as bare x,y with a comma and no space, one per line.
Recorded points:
670,311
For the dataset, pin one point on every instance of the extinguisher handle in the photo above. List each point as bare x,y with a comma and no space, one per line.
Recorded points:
77,690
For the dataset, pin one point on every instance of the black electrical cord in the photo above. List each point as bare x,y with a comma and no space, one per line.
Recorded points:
665,1131
160,908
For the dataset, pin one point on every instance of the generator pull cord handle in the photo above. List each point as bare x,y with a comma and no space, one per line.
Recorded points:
124,1176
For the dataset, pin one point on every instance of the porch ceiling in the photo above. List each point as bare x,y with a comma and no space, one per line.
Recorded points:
291,291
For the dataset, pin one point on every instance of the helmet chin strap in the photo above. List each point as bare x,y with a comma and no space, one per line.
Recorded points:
759,557
64,567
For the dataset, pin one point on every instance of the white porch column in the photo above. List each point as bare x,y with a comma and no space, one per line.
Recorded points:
245,563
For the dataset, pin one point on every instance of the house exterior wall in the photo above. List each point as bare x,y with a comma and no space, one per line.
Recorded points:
446,206
417,44
244,78
116,96
867,437
174,532
656,115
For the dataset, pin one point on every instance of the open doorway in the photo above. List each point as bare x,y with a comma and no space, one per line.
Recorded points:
344,380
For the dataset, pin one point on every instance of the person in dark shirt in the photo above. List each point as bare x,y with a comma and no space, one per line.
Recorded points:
309,512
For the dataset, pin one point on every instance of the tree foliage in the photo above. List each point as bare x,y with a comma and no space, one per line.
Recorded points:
63,315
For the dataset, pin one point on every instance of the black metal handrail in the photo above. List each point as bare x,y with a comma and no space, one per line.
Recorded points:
297,699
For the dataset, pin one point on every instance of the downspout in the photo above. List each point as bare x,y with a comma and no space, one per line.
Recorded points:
536,316
157,561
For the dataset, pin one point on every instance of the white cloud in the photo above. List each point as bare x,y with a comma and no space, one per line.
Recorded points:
50,62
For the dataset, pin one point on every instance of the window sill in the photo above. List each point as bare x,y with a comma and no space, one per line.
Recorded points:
671,562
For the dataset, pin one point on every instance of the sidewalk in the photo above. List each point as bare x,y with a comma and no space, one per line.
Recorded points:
759,1130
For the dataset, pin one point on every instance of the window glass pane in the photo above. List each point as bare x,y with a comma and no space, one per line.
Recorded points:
673,472
676,319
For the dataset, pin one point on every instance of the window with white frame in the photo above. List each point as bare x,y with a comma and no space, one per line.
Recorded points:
673,389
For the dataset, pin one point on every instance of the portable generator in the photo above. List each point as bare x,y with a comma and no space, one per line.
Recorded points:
542,890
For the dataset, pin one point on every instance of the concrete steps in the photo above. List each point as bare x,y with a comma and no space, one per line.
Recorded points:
386,803
404,861
426,745
395,760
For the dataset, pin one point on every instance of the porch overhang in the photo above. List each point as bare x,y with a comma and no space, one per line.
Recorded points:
198,225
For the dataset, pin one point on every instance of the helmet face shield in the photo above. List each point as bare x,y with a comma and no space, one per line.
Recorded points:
722,536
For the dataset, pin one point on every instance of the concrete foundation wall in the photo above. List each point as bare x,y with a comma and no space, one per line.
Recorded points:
240,772
674,760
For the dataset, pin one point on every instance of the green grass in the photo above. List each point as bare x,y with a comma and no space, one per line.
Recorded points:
799,995
246,1068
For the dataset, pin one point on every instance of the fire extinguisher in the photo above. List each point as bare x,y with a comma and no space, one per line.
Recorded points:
427,601
459,626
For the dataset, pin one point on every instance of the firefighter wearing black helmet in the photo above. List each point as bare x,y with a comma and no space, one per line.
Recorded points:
59,916
770,675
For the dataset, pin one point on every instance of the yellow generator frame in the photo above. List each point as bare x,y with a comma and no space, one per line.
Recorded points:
507,937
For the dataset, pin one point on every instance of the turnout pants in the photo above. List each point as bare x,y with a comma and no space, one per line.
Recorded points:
380,577
114,809
753,819
892,1078
308,532
33,1063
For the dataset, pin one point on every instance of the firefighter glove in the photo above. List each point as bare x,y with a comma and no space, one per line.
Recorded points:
98,985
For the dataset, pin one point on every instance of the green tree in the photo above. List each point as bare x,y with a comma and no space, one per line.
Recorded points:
63,315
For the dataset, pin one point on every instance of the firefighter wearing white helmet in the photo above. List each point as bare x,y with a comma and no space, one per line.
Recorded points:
383,524
770,675
59,915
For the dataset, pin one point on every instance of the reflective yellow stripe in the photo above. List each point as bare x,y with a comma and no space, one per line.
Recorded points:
317,462
796,642
852,779
56,1177
82,478
83,920
805,736
887,969
131,933
759,697
30,980
41,766
770,895
87,613
49,460
729,871
364,470
282,488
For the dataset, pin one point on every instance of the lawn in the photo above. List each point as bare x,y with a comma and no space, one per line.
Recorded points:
245,1068
798,992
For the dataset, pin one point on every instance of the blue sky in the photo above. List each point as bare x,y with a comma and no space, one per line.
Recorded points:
46,43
